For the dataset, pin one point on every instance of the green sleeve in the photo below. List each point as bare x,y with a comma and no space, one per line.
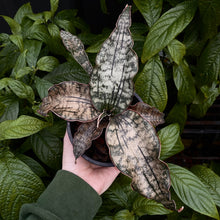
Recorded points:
67,197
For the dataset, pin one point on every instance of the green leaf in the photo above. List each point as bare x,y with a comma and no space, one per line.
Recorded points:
70,101
33,164
48,148
69,71
20,63
2,110
134,148
21,127
33,48
74,45
143,206
192,191
54,6
42,86
23,11
17,183
210,180
169,25
204,100
209,63
47,63
124,215
22,72
151,85
111,85
22,90
54,30
18,41
14,25
177,50
150,10
11,108
178,114
210,17
184,82
168,136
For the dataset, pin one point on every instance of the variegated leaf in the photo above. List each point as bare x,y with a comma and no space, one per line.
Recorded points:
86,133
70,101
74,45
135,148
151,114
116,64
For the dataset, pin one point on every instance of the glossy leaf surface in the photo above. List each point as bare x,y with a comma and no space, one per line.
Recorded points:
134,148
167,27
151,114
192,191
69,100
76,48
116,64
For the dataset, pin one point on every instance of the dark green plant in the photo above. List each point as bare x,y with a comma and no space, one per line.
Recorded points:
177,41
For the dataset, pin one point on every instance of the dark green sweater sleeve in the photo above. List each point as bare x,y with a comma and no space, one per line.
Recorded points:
67,197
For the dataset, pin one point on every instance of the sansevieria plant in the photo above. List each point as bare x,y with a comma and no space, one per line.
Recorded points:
106,103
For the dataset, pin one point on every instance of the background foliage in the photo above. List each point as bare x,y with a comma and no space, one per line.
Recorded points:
178,43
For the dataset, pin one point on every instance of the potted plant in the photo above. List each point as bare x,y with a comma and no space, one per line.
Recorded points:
105,104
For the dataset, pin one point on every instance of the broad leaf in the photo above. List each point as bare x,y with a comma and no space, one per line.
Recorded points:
151,114
54,6
167,27
210,179
23,11
21,127
42,86
150,10
151,84
135,148
14,25
47,63
124,215
18,185
70,101
177,50
23,71
76,48
20,63
209,63
18,41
86,133
143,206
170,141
48,148
184,82
192,191
116,65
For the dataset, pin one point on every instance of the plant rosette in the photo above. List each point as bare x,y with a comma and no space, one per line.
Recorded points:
106,104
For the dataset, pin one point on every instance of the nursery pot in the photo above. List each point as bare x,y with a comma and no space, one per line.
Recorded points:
98,153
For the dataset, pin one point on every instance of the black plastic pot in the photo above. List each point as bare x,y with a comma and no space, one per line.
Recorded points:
71,129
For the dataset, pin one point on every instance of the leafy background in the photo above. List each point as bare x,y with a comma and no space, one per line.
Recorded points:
178,44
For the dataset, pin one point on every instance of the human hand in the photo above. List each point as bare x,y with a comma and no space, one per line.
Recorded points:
99,178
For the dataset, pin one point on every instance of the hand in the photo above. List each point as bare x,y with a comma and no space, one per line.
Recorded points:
99,178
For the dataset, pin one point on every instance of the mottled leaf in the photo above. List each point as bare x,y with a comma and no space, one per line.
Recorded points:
18,185
116,65
86,133
151,84
150,10
76,48
135,148
151,114
69,100
21,127
210,179
192,191
167,27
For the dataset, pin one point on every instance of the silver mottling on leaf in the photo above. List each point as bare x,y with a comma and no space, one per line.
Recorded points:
86,133
116,65
151,114
135,148
70,101
76,47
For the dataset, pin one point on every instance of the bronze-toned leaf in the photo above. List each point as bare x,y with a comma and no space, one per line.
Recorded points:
70,101
151,114
116,65
75,46
135,148
86,133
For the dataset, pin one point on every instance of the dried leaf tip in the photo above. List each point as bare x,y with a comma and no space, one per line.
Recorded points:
181,209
